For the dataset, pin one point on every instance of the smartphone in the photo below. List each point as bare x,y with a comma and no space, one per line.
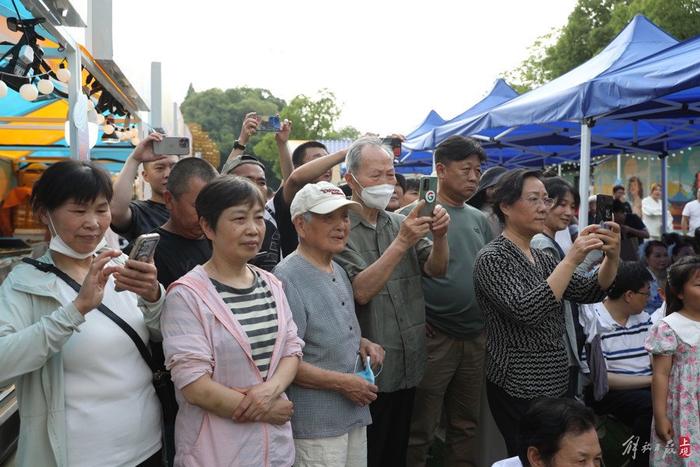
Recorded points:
143,250
394,144
144,247
427,190
271,124
603,209
172,146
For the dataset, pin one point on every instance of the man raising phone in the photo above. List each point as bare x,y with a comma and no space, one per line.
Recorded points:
131,218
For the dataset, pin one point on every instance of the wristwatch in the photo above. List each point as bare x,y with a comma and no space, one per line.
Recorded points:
237,145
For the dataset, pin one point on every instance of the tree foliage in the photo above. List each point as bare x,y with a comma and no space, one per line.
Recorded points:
590,27
220,115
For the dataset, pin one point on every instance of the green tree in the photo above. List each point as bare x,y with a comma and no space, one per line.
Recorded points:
312,118
221,113
590,27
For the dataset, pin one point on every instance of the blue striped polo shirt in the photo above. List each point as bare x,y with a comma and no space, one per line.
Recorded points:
623,346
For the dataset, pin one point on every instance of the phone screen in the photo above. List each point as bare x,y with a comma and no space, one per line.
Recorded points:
603,209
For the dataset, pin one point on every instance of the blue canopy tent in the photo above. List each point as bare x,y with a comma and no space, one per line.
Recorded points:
500,92
581,113
421,162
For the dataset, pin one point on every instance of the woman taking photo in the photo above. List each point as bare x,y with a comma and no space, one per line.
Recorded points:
86,395
230,341
520,289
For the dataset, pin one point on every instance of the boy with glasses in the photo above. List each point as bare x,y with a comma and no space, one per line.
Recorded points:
622,325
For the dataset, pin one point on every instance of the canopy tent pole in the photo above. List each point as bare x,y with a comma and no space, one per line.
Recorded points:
664,192
584,174
559,170
618,180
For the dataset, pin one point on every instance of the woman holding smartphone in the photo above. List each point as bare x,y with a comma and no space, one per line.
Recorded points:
230,341
86,395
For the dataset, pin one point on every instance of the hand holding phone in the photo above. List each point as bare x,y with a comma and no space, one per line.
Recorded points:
427,191
143,250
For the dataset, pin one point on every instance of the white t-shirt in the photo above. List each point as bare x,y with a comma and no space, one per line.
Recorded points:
563,238
113,415
692,211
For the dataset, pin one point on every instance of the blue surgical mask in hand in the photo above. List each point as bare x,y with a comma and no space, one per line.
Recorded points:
366,373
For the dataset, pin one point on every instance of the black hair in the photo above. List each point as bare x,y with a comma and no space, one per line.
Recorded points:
401,181
631,275
509,189
679,245
547,421
618,206
225,192
649,247
458,148
185,170
412,184
71,180
300,152
618,187
557,188
678,275
347,189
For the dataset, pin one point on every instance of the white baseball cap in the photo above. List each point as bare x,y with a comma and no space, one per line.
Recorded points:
320,198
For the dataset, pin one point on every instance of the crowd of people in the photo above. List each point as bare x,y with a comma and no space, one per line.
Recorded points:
342,326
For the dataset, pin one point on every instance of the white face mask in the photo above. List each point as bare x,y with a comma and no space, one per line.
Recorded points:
59,246
377,196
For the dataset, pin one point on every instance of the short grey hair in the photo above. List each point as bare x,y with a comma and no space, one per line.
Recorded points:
307,216
354,157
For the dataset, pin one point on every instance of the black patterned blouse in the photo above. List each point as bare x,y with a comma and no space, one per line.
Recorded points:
524,321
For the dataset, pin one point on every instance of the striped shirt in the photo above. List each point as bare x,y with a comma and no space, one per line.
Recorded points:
623,346
256,311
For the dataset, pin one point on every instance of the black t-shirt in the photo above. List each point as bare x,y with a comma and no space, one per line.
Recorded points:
269,254
176,255
634,221
629,244
146,215
283,216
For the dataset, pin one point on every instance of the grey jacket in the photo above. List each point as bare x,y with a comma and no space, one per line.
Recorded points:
33,329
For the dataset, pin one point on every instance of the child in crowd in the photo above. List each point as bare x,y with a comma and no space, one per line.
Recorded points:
674,343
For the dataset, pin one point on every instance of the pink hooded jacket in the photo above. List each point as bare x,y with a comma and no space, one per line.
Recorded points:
201,336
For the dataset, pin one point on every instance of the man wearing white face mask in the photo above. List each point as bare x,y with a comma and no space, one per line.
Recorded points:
385,257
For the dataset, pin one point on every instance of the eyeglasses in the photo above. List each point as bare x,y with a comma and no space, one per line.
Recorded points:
536,201
647,293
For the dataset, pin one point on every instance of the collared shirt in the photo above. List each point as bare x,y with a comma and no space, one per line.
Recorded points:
622,345
395,317
451,304
324,312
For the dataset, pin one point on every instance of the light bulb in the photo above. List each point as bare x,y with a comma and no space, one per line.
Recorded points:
3,89
29,92
135,141
108,129
100,119
123,135
63,75
45,86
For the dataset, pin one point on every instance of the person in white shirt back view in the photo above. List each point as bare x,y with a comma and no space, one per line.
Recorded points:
691,216
556,432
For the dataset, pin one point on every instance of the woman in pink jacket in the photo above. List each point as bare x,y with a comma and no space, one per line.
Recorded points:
230,342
